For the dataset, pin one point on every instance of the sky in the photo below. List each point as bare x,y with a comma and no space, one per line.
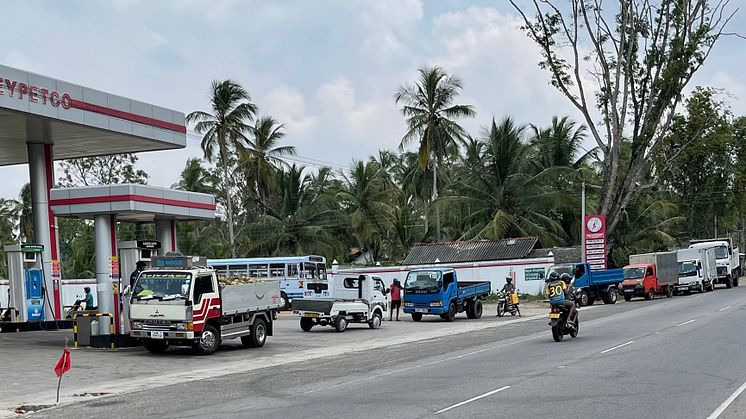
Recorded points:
326,69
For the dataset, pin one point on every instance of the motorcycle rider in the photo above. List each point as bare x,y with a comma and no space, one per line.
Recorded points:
566,300
509,286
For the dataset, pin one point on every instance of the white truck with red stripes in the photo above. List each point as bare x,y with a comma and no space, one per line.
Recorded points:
180,302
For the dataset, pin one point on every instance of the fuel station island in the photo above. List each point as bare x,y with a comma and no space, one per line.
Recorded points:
43,120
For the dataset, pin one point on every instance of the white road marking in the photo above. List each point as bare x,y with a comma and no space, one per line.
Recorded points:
685,323
719,411
617,347
489,393
724,308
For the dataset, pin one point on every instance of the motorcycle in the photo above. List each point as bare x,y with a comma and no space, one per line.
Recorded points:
507,303
560,328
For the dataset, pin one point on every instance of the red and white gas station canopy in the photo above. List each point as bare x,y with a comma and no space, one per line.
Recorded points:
131,203
78,121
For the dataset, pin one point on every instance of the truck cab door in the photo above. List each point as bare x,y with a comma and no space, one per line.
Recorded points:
650,278
377,290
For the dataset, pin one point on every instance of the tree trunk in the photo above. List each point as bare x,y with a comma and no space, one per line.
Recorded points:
228,203
435,201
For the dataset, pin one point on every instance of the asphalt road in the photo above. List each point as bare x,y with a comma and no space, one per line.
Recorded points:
669,358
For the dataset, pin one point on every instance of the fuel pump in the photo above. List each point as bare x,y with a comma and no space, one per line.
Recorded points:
26,280
131,252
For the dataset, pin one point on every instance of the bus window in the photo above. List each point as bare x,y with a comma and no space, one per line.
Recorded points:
237,270
258,271
321,268
292,270
277,270
309,270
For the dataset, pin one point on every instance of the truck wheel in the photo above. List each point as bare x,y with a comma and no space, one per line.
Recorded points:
650,295
669,292
375,322
611,297
735,281
209,342
340,324
627,298
470,310
258,336
592,301
156,346
284,302
416,317
728,283
306,324
451,315
476,309
583,299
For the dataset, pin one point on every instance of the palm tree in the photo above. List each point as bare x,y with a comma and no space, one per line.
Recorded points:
299,221
195,178
263,156
431,118
560,145
223,130
501,199
366,200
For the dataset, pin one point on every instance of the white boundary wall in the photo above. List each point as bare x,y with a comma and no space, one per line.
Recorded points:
493,271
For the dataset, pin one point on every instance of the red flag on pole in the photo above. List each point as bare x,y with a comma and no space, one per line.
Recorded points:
63,365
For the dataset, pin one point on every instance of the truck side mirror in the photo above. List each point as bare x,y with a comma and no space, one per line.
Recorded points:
699,266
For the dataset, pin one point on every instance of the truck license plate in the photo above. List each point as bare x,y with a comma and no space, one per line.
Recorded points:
420,310
156,335
310,314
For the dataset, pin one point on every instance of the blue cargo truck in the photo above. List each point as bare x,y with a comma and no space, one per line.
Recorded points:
438,291
592,285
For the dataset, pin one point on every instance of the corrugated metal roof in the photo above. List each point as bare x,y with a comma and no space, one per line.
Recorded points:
471,251
560,254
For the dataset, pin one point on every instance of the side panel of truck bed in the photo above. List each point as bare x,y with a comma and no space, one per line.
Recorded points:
242,298
666,264
472,289
606,277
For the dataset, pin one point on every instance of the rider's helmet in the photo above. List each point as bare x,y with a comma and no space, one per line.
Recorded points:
508,280
553,276
87,289
566,278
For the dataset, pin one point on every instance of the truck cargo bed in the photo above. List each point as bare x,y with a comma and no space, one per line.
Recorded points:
473,289
243,298
320,305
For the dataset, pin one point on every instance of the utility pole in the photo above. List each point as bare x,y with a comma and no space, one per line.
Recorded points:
582,222
435,199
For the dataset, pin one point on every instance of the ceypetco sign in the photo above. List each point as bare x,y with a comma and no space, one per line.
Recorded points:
34,94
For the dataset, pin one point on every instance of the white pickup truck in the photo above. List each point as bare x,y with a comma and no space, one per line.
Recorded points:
341,300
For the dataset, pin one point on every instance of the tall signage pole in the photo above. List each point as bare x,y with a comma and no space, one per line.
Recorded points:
582,218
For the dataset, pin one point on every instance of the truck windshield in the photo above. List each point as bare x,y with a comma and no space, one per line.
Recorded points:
162,286
634,273
721,252
688,268
422,282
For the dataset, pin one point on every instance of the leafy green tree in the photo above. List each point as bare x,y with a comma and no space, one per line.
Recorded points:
224,129
196,178
264,156
431,118
642,56
102,170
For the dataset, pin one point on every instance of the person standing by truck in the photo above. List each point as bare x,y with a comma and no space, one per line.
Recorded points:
395,292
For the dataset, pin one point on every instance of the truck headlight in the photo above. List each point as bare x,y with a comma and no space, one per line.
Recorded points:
408,304
436,304
184,326
136,325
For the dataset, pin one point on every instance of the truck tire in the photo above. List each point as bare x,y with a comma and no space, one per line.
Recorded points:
476,309
416,317
735,280
258,336
583,299
611,297
209,342
669,292
306,324
156,346
728,282
627,298
650,295
375,322
592,301
451,315
340,324
284,302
